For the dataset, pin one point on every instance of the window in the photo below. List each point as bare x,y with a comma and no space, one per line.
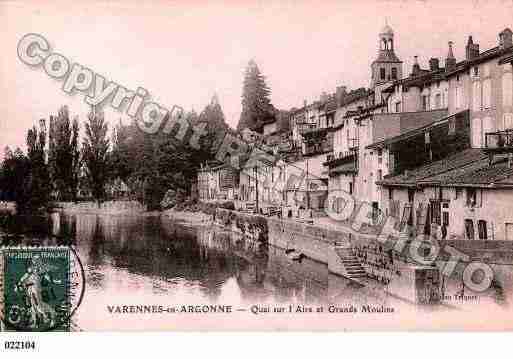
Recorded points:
452,126
469,229
380,175
398,106
411,195
507,89
391,194
427,138
476,98
424,103
394,73
481,228
471,197
476,71
435,212
445,219
508,121
457,97
477,133
438,101
458,193
350,187
382,73
487,94
486,70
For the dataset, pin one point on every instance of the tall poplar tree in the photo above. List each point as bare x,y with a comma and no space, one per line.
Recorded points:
63,154
95,149
37,184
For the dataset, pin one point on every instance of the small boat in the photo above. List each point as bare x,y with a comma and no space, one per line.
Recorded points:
294,255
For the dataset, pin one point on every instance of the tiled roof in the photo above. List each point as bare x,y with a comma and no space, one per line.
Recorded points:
467,168
499,173
345,168
506,60
484,56
428,172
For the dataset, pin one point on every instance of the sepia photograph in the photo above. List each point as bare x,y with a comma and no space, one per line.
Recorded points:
270,166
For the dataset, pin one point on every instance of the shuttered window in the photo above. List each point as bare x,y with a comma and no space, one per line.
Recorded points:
487,94
507,89
476,96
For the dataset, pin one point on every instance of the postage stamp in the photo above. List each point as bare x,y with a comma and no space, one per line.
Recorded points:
36,290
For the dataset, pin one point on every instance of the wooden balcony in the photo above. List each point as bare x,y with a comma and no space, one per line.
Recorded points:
340,158
499,142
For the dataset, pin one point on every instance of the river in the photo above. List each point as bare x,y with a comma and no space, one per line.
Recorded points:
152,260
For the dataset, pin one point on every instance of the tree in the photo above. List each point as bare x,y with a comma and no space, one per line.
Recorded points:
14,173
256,105
64,155
36,186
212,117
95,149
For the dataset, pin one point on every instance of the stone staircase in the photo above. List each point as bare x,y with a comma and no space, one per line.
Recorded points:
351,264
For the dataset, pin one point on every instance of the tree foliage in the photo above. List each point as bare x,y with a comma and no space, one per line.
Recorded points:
64,155
14,173
256,104
95,149
37,183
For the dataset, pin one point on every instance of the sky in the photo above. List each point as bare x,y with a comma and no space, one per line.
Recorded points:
183,52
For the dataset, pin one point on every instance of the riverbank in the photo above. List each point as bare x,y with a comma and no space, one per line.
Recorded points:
197,218
108,207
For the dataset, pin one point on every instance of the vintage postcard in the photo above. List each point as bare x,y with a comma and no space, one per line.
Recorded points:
256,165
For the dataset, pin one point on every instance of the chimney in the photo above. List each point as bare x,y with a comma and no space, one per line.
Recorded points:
434,64
471,50
416,68
450,60
505,38
341,93
305,103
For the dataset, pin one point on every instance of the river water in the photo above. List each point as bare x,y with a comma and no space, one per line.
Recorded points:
144,260
152,260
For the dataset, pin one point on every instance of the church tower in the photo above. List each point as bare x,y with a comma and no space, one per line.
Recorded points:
387,67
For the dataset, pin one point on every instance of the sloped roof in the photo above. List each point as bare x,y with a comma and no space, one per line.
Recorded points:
467,168
428,172
345,168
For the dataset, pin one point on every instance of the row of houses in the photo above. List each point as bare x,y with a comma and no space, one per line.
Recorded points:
439,138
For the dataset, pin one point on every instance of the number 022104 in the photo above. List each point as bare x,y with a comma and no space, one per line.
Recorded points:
20,345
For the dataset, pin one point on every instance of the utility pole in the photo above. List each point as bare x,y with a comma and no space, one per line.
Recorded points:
256,188
307,188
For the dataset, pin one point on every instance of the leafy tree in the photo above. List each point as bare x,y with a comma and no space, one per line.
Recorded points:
14,173
212,117
64,155
256,105
36,186
95,149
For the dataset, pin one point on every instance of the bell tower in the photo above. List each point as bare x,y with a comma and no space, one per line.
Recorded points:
387,66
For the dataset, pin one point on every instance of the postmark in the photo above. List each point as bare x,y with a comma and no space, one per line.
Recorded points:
40,289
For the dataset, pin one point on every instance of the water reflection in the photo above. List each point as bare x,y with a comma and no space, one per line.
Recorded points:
153,255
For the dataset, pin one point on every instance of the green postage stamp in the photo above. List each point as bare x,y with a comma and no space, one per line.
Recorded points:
35,289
